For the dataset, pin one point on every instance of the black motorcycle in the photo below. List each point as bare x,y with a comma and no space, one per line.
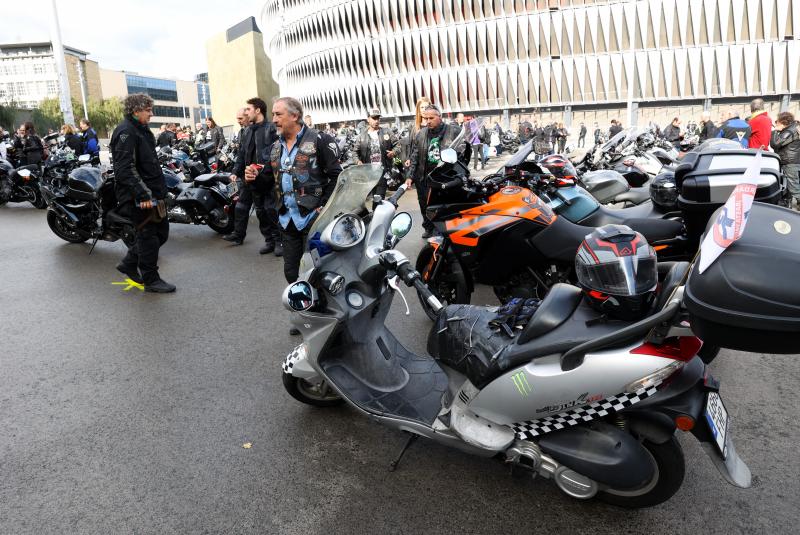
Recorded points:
86,208
209,200
21,184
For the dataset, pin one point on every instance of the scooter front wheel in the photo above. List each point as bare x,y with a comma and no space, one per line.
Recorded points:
316,394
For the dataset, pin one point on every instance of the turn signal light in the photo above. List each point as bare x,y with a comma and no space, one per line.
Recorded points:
684,423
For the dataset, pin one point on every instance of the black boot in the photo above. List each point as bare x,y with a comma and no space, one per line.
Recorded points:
131,272
159,286
278,249
268,248
234,238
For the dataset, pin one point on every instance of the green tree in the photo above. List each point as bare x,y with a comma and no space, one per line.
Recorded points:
7,116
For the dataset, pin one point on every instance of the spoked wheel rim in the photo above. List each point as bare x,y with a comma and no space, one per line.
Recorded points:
320,391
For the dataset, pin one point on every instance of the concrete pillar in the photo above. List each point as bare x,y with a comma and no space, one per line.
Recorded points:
785,100
707,105
634,113
567,116
506,122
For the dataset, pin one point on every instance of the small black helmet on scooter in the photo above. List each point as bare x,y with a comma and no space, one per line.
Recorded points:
616,268
664,192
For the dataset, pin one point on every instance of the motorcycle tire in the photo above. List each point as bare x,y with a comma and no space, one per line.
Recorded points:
310,394
450,287
63,231
38,200
227,228
670,470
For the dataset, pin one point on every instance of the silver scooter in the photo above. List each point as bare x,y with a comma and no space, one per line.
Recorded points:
594,406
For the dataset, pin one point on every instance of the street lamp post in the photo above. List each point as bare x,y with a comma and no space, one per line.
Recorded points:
79,68
61,66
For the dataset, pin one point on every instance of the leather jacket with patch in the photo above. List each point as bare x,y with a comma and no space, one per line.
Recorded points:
314,173
386,140
137,173
786,144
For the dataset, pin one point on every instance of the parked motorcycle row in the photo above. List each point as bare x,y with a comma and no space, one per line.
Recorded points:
78,191
590,402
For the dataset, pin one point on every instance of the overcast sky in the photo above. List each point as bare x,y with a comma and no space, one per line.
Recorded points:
160,38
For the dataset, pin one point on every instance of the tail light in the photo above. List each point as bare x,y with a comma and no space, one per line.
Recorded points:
682,348
213,166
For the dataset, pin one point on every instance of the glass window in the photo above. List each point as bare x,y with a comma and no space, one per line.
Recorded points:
52,87
203,94
170,111
155,87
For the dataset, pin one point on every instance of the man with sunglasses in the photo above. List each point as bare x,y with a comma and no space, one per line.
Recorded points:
376,145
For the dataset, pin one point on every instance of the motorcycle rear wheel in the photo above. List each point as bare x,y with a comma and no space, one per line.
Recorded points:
224,225
318,395
63,230
450,285
670,467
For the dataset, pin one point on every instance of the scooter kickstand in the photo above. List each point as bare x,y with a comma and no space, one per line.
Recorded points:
411,438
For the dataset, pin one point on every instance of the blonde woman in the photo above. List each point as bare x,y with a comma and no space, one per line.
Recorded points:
72,140
422,103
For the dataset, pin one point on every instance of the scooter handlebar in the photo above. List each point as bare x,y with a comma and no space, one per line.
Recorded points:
397,194
412,278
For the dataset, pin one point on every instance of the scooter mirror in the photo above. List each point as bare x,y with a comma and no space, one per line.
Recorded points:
300,296
24,173
449,156
84,158
401,225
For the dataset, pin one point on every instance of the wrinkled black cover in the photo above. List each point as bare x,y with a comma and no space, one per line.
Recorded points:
748,299
467,344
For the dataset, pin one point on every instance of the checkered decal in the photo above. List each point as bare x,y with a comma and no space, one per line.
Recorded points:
291,358
587,413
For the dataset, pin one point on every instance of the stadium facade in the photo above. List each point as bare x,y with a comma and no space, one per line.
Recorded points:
342,57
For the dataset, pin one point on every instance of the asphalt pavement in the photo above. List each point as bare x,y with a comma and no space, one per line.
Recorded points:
126,412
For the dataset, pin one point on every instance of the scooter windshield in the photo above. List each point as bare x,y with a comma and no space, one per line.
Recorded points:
351,191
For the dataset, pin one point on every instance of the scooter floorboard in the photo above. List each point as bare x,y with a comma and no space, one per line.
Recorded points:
419,399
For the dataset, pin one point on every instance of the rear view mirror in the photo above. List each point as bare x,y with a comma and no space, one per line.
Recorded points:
24,173
299,296
401,225
449,156
84,158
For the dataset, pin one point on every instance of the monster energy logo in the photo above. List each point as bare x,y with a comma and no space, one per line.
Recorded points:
521,382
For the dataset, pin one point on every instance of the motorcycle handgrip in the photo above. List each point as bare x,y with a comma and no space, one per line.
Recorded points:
453,183
397,194
427,295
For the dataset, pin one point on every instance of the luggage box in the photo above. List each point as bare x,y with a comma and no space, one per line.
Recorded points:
748,299
196,199
706,180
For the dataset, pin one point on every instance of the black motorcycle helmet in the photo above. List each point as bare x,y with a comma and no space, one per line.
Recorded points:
616,268
559,166
664,192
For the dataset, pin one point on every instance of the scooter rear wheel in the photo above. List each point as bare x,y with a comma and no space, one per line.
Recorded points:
318,395
670,468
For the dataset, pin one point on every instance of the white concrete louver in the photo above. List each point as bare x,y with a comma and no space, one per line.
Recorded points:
341,57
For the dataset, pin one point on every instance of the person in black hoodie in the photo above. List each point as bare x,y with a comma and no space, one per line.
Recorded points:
72,140
140,187
254,150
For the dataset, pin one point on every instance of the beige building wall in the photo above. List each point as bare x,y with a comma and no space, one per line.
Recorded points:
91,76
113,83
238,69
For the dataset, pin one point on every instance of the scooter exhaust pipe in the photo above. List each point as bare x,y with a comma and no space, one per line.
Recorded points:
528,456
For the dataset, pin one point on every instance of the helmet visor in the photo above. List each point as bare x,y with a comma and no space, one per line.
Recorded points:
627,275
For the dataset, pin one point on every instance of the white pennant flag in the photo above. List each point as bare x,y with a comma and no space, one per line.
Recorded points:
731,220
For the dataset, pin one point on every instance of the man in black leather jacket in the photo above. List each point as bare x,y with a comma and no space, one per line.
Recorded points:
254,145
139,187
785,142
426,154
377,145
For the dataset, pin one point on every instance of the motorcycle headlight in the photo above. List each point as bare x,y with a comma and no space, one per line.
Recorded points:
344,232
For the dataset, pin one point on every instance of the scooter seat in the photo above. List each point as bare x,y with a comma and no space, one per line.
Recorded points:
463,340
